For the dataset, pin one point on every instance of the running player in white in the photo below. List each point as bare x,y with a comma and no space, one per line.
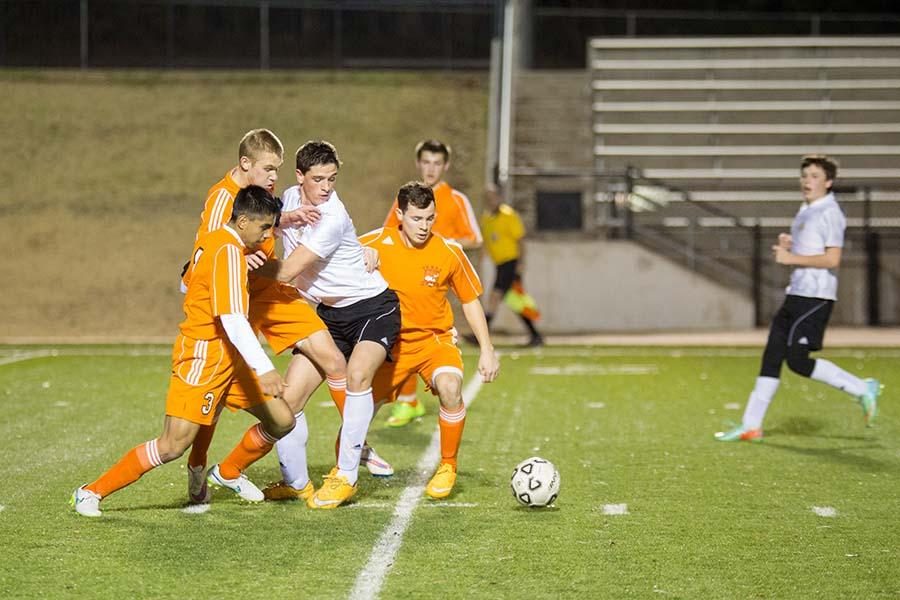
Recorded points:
325,261
798,328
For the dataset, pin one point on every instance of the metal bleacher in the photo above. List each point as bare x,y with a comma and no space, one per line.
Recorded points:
713,129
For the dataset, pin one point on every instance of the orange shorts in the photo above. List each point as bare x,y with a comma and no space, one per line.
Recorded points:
202,373
283,316
208,375
427,358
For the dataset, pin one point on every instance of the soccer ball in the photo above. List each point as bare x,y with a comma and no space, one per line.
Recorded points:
535,482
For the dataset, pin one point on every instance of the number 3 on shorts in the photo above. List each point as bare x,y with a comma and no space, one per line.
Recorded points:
207,406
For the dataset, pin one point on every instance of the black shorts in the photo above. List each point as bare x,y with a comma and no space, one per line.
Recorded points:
802,320
506,275
374,319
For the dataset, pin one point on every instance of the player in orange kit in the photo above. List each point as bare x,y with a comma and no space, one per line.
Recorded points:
277,310
422,268
454,220
216,346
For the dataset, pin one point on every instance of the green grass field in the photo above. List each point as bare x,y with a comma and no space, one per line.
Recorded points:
625,426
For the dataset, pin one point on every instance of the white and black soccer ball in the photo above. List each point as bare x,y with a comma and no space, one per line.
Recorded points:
535,482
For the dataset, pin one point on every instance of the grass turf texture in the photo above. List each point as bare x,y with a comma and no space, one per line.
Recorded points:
624,426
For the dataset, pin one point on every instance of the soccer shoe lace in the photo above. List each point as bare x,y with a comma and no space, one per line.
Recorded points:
376,465
869,400
241,486
283,491
335,490
86,502
442,483
198,490
740,434
404,412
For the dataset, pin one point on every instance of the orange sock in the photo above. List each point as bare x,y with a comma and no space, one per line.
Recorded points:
338,390
200,447
451,426
255,444
407,391
129,469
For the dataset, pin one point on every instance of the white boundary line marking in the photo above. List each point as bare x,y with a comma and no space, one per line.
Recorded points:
371,579
825,511
22,357
615,509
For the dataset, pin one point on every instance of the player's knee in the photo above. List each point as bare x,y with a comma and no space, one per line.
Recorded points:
172,448
334,364
358,379
449,389
281,425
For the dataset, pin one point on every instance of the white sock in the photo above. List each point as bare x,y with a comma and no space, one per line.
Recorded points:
358,411
828,372
759,400
292,454
409,398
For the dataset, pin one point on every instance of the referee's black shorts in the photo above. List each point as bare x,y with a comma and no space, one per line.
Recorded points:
375,319
506,275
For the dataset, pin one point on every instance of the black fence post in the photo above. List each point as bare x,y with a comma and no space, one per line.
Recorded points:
626,205
756,268
873,270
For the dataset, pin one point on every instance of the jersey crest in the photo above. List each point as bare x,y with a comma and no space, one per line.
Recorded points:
431,276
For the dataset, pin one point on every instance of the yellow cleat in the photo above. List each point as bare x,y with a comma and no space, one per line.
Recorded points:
283,491
441,484
335,490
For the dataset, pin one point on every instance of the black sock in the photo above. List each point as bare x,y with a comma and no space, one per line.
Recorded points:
530,325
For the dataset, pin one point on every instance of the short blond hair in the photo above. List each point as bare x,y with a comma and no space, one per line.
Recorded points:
259,141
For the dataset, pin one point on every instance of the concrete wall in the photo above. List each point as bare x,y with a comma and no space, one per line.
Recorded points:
590,286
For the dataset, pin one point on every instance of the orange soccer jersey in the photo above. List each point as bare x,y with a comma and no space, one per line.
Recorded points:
276,309
422,277
454,218
203,361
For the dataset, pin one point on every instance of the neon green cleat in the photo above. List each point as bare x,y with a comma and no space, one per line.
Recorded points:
404,412
869,400
740,434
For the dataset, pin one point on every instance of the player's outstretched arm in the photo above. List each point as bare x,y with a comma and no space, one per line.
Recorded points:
488,363
241,335
300,259
306,214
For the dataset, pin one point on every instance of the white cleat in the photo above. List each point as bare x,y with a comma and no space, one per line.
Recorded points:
198,490
376,465
86,503
241,486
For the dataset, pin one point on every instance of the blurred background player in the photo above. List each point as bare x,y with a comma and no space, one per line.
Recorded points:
503,232
455,220
422,268
326,263
215,340
277,310
813,248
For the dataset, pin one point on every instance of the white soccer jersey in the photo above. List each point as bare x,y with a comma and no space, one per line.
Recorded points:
817,226
338,278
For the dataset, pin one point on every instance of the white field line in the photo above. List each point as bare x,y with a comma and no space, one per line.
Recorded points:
371,579
615,509
825,511
687,352
23,356
594,369
195,509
